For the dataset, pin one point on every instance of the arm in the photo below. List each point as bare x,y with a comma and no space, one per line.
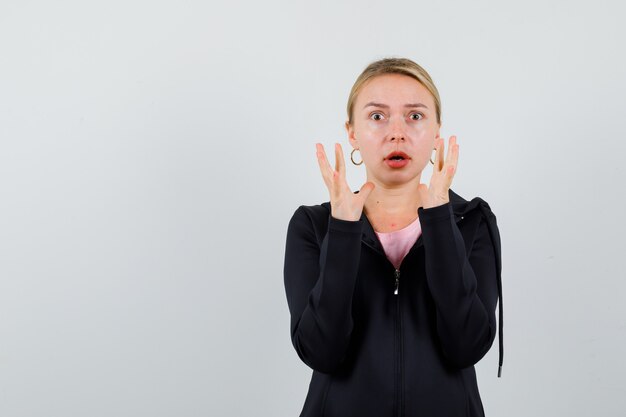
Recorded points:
464,289
319,282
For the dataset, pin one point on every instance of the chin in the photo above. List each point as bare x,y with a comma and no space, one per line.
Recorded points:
399,177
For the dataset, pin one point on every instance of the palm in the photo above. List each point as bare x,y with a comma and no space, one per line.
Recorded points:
436,193
345,204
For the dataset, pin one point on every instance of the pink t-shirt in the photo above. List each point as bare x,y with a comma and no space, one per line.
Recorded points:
397,244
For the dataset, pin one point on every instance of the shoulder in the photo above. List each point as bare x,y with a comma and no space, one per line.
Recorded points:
314,213
461,206
484,217
311,219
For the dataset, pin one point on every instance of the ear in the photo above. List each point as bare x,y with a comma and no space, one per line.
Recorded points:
351,137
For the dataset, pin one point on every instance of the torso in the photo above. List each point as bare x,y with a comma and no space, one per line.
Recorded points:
382,223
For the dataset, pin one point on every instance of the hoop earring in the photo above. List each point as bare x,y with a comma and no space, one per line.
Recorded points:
352,159
431,159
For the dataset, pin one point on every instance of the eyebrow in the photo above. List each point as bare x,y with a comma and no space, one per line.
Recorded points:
371,103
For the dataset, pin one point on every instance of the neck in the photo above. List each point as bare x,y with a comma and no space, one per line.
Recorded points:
393,199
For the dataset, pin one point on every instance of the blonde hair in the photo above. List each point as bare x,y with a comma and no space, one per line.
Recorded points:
394,66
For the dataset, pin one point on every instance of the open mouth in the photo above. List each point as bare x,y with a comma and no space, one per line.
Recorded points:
397,156
397,160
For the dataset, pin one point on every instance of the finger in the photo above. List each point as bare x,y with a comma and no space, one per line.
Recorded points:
329,169
451,143
339,160
455,154
439,159
325,168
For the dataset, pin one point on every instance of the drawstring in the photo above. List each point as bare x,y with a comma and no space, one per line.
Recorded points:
500,326
495,237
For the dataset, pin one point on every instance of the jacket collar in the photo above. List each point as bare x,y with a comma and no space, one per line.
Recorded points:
460,207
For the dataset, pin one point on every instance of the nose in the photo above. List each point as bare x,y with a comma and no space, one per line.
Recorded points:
397,131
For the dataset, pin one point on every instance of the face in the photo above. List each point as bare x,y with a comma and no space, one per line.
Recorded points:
394,112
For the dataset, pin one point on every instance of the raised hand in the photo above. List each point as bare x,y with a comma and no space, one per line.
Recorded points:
443,171
344,203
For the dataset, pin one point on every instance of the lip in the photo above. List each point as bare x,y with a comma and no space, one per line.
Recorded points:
397,163
397,153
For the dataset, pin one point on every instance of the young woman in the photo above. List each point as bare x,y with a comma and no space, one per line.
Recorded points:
392,289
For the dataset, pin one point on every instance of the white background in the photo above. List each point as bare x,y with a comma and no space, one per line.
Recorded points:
152,153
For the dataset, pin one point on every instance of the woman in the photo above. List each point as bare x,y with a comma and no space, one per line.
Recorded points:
392,289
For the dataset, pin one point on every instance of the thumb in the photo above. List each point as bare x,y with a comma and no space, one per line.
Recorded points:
423,192
365,190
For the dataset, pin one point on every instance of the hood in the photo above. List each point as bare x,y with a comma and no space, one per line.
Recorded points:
460,207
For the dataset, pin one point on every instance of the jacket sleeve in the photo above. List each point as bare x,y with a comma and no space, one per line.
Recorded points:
319,282
464,288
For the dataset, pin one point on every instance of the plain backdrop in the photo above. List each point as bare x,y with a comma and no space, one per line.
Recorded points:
152,154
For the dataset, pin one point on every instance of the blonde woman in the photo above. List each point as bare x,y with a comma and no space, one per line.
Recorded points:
392,289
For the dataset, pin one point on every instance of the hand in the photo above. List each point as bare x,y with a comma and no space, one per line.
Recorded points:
443,171
344,203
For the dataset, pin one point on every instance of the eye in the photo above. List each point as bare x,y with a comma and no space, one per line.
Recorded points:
375,114
417,114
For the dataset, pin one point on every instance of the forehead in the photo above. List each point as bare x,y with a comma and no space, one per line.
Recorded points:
394,89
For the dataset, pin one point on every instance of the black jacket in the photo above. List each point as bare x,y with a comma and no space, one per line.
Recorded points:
384,342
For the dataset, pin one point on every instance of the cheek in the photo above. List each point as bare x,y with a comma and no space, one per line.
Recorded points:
370,152
423,143
373,126
367,133
425,132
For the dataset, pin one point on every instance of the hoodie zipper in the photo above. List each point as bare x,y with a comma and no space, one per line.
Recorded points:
399,400
399,350
395,291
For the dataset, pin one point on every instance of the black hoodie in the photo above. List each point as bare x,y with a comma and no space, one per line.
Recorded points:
386,342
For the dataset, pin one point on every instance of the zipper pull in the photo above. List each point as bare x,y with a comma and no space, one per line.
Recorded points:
395,291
